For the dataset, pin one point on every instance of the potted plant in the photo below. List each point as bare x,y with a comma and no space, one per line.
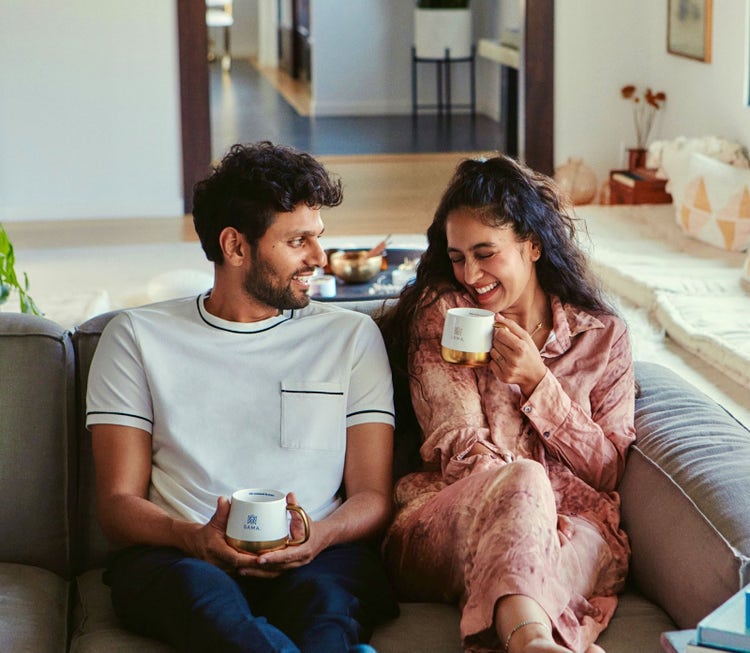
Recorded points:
645,106
441,25
9,280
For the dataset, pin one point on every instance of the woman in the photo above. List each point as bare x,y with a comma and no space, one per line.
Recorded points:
514,513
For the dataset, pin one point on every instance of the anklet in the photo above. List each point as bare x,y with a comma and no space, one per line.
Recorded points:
518,627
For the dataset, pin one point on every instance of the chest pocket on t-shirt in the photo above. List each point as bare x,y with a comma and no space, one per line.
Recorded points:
313,415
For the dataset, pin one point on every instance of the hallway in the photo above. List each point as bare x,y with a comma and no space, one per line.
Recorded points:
246,107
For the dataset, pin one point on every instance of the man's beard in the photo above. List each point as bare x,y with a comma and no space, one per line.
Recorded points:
259,284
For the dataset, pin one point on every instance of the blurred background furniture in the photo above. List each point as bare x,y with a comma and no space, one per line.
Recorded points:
219,15
443,80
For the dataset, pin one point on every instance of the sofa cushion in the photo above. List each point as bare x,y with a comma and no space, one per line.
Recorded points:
685,499
33,609
635,627
36,417
715,207
431,627
96,627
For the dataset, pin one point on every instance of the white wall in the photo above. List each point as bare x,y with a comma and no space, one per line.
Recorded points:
89,93
89,109
602,45
361,59
360,56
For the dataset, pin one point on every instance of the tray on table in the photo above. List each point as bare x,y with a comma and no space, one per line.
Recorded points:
381,287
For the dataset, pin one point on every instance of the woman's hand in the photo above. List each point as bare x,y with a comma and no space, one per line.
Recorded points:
479,449
515,357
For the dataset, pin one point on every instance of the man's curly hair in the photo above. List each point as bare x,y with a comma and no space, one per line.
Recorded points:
253,183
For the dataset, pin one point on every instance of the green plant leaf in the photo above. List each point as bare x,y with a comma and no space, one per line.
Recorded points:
9,279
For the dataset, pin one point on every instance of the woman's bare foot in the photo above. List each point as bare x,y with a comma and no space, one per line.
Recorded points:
524,627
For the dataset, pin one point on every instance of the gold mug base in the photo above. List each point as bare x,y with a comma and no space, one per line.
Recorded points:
468,358
257,547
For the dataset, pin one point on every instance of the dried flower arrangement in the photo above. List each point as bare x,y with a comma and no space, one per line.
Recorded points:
645,107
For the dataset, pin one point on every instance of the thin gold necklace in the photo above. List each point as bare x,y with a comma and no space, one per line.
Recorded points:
536,328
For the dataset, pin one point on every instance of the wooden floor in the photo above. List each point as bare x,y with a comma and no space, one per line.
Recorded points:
389,193
294,91
251,104
383,194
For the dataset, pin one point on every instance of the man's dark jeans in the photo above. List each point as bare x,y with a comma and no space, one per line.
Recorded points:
326,606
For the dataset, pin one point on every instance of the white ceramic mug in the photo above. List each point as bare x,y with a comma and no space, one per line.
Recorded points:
258,521
467,336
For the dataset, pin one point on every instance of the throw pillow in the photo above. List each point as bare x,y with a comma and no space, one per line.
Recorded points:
715,206
671,158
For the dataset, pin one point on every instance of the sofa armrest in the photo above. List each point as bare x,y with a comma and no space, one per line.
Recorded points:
685,497
37,416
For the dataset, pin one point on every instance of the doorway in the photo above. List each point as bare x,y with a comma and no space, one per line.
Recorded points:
294,38
535,80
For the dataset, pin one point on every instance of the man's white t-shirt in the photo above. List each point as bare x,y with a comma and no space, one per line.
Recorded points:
237,405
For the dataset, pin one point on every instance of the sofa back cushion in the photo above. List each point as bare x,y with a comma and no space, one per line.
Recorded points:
685,498
37,415
92,547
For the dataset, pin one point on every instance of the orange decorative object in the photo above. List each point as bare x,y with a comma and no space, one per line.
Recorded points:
577,180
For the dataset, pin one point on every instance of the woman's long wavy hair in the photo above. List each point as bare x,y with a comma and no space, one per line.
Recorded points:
504,193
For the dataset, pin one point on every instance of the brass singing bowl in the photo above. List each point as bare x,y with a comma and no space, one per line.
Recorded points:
354,265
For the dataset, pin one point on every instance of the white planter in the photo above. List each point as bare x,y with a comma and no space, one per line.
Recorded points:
438,29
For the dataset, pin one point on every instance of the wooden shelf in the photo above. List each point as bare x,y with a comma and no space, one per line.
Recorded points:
496,51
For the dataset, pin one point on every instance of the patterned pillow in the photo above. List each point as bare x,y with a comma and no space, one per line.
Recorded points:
715,207
671,158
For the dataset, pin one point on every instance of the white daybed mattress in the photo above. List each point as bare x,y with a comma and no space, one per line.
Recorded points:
691,289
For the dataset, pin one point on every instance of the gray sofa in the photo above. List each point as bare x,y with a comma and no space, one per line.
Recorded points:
685,505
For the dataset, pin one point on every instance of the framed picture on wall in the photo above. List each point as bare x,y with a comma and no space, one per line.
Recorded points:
689,29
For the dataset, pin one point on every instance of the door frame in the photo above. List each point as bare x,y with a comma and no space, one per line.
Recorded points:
194,95
537,87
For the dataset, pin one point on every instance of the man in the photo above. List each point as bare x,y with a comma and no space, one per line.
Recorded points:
248,385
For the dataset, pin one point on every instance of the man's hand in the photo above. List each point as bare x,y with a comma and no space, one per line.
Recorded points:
272,563
208,542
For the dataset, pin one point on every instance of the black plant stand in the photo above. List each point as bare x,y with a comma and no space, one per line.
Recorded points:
444,103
